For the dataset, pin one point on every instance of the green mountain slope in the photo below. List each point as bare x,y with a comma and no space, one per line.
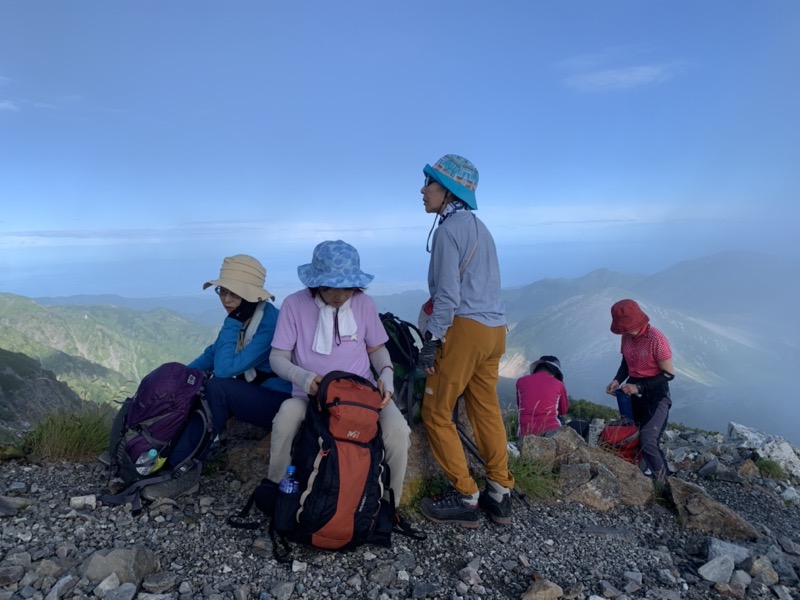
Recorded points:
27,393
101,352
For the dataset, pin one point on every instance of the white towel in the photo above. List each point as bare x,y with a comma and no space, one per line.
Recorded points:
249,332
323,336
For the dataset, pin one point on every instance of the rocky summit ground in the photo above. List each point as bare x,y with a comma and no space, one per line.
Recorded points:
59,542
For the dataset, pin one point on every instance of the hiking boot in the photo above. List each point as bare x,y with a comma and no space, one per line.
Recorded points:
403,527
451,508
499,512
188,483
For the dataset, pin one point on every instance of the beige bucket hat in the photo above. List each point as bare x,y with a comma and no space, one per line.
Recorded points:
244,276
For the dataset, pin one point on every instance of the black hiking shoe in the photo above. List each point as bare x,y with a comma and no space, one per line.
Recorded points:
188,483
499,512
451,508
403,527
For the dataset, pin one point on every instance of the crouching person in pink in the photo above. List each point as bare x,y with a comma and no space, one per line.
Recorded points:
332,325
541,398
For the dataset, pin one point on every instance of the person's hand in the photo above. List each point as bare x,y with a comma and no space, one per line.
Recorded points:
612,387
385,396
244,311
427,355
630,388
315,385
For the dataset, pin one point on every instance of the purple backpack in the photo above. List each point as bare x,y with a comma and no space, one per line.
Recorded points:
147,424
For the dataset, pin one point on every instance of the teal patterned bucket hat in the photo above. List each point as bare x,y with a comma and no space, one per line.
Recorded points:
457,174
334,264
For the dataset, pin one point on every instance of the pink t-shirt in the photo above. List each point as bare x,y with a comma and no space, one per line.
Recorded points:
540,399
297,323
643,352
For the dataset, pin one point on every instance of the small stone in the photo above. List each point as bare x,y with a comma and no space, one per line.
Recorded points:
298,567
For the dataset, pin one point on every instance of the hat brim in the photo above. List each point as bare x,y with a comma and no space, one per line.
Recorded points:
554,370
309,277
248,292
619,330
461,191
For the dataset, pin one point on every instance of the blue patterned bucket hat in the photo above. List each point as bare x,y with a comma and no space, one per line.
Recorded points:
456,174
334,264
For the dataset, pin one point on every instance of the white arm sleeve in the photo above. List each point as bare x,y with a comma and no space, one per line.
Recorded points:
281,363
382,363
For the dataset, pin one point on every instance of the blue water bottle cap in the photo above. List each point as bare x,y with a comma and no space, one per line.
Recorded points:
290,470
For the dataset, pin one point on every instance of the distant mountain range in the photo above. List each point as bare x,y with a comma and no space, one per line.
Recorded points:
731,320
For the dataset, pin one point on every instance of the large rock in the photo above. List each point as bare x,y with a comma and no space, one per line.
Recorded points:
131,565
783,453
539,449
634,488
247,453
601,492
699,511
746,437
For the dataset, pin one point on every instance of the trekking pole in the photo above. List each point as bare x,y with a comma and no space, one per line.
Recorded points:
520,497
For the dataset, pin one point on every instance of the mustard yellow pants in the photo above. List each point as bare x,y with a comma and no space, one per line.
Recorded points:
468,363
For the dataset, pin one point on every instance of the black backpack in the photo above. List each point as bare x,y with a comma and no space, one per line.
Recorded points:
147,426
344,498
405,342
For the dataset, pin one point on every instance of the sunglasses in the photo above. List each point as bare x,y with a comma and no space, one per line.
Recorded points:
221,291
429,180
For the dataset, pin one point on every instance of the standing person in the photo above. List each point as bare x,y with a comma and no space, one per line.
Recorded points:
644,374
541,398
464,338
243,385
332,325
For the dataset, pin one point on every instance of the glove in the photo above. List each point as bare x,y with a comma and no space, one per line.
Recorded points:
244,311
428,353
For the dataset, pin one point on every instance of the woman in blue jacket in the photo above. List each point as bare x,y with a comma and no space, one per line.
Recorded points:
243,384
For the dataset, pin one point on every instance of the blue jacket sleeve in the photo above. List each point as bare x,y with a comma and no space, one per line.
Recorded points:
204,362
228,362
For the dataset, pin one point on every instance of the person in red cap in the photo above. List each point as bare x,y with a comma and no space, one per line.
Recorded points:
644,375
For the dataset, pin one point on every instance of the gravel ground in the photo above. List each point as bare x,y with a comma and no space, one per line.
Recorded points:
632,552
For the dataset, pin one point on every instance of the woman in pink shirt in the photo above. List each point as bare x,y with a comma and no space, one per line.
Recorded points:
644,375
541,398
332,325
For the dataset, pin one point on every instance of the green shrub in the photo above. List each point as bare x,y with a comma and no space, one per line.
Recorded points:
71,436
583,409
534,479
770,469
511,422
430,488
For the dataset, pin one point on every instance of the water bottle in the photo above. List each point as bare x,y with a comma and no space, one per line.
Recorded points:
289,484
146,463
624,404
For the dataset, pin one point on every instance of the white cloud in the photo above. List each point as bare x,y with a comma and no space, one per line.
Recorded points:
8,105
621,67
624,78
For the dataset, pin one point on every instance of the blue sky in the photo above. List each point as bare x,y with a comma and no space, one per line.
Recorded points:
141,142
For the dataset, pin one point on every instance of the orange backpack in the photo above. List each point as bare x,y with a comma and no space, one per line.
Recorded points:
621,438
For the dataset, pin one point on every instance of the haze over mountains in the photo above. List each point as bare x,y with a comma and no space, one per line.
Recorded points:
731,319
